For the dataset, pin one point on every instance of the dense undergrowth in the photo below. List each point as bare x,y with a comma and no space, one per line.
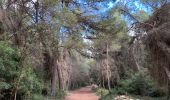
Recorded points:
137,85
21,79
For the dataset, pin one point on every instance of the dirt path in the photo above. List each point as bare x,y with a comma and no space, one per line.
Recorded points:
82,94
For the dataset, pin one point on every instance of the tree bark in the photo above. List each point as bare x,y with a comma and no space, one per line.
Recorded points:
54,81
59,75
168,97
135,60
107,66
168,75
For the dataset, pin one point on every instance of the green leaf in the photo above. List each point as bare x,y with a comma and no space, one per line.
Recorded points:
4,85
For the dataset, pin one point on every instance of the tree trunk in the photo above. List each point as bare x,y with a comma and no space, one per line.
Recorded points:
107,66
168,75
55,76
135,60
168,94
59,75
15,95
54,80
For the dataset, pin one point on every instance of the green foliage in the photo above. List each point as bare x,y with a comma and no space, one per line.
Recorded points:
80,71
30,83
107,97
139,84
141,16
119,91
8,65
60,94
102,92
4,85
94,74
14,76
38,97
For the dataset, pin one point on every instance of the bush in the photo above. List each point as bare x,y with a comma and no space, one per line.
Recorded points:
60,94
38,97
119,91
30,83
102,92
13,75
9,60
139,84
156,92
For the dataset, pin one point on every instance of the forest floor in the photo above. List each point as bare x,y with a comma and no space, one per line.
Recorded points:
84,93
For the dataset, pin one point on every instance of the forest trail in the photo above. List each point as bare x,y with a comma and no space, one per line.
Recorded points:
84,93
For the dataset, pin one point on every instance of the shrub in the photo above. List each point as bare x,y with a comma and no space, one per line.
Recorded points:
14,76
139,84
156,92
102,92
9,60
119,91
38,97
30,83
60,94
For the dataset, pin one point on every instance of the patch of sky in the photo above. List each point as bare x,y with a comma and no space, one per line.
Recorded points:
63,34
95,8
134,7
141,6
100,9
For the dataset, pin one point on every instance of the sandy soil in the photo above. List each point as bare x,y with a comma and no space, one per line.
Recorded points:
82,94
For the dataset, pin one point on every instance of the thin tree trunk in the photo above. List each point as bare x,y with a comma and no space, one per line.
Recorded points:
103,80
168,75
168,94
107,66
133,54
36,5
15,95
59,75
